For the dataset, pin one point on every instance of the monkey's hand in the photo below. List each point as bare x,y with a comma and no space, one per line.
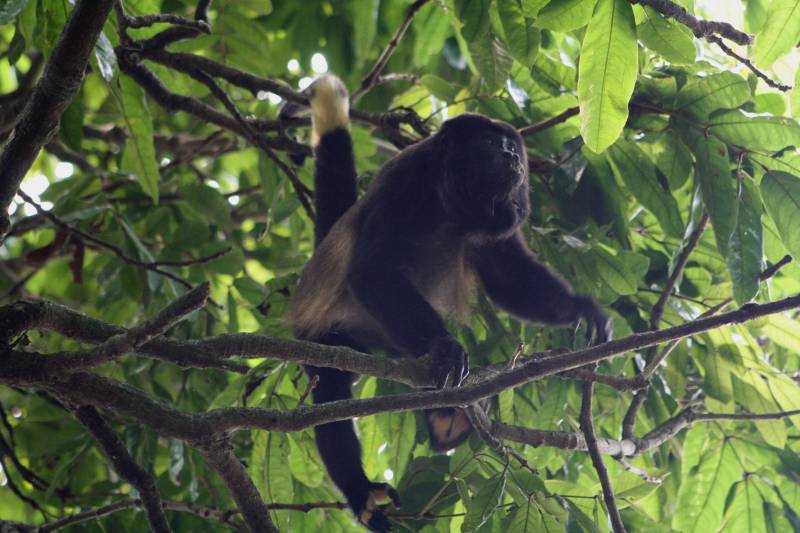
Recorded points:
367,509
450,362
599,328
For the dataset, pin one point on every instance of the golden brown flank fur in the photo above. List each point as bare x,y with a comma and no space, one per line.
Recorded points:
323,301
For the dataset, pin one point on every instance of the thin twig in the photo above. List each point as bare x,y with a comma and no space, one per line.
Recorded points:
372,76
629,420
116,452
550,122
749,64
116,250
303,193
587,426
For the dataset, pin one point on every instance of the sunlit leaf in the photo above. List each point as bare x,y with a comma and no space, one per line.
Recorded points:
781,32
607,73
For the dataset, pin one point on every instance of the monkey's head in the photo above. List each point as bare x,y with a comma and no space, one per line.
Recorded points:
485,174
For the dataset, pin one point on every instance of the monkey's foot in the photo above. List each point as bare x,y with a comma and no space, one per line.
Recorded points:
370,508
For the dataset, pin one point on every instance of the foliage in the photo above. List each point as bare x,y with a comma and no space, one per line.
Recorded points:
668,128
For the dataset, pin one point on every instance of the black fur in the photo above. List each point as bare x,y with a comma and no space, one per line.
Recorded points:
444,211
334,179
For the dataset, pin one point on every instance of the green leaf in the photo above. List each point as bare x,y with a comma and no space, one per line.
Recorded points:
745,514
614,271
781,194
746,245
71,125
565,15
780,34
400,429
751,390
717,187
492,61
784,331
607,73
432,28
251,290
106,58
303,462
439,88
701,497
364,17
672,40
267,467
673,159
484,503
474,14
520,36
756,132
637,171
700,96
9,9
139,155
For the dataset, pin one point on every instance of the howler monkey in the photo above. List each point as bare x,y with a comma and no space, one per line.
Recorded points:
441,217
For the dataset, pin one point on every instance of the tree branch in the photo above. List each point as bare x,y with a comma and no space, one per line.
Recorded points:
629,420
550,122
116,250
218,452
115,451
701,28
587,426
372,76
62,77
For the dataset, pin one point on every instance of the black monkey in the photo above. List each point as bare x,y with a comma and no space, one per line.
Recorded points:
441,217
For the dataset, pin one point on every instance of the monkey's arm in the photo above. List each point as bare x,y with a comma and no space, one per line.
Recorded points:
377,280
516,282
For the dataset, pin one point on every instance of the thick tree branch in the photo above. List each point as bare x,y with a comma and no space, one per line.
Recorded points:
632,448
61,79
218,452
33,370
701,28
114,449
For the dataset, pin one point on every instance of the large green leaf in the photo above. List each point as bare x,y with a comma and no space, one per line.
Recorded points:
484,502
746,245
139,155
492,61
745,514
9,9
701,497
565,15
781,194
521,37
780,34
701,96
717,186
756,132
638,172
672,40
607,73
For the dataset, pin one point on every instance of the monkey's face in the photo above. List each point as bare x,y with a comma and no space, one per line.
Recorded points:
485,184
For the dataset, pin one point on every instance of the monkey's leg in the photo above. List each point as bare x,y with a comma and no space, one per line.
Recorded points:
339,447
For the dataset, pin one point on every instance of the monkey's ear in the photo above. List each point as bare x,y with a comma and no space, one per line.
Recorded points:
447,427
